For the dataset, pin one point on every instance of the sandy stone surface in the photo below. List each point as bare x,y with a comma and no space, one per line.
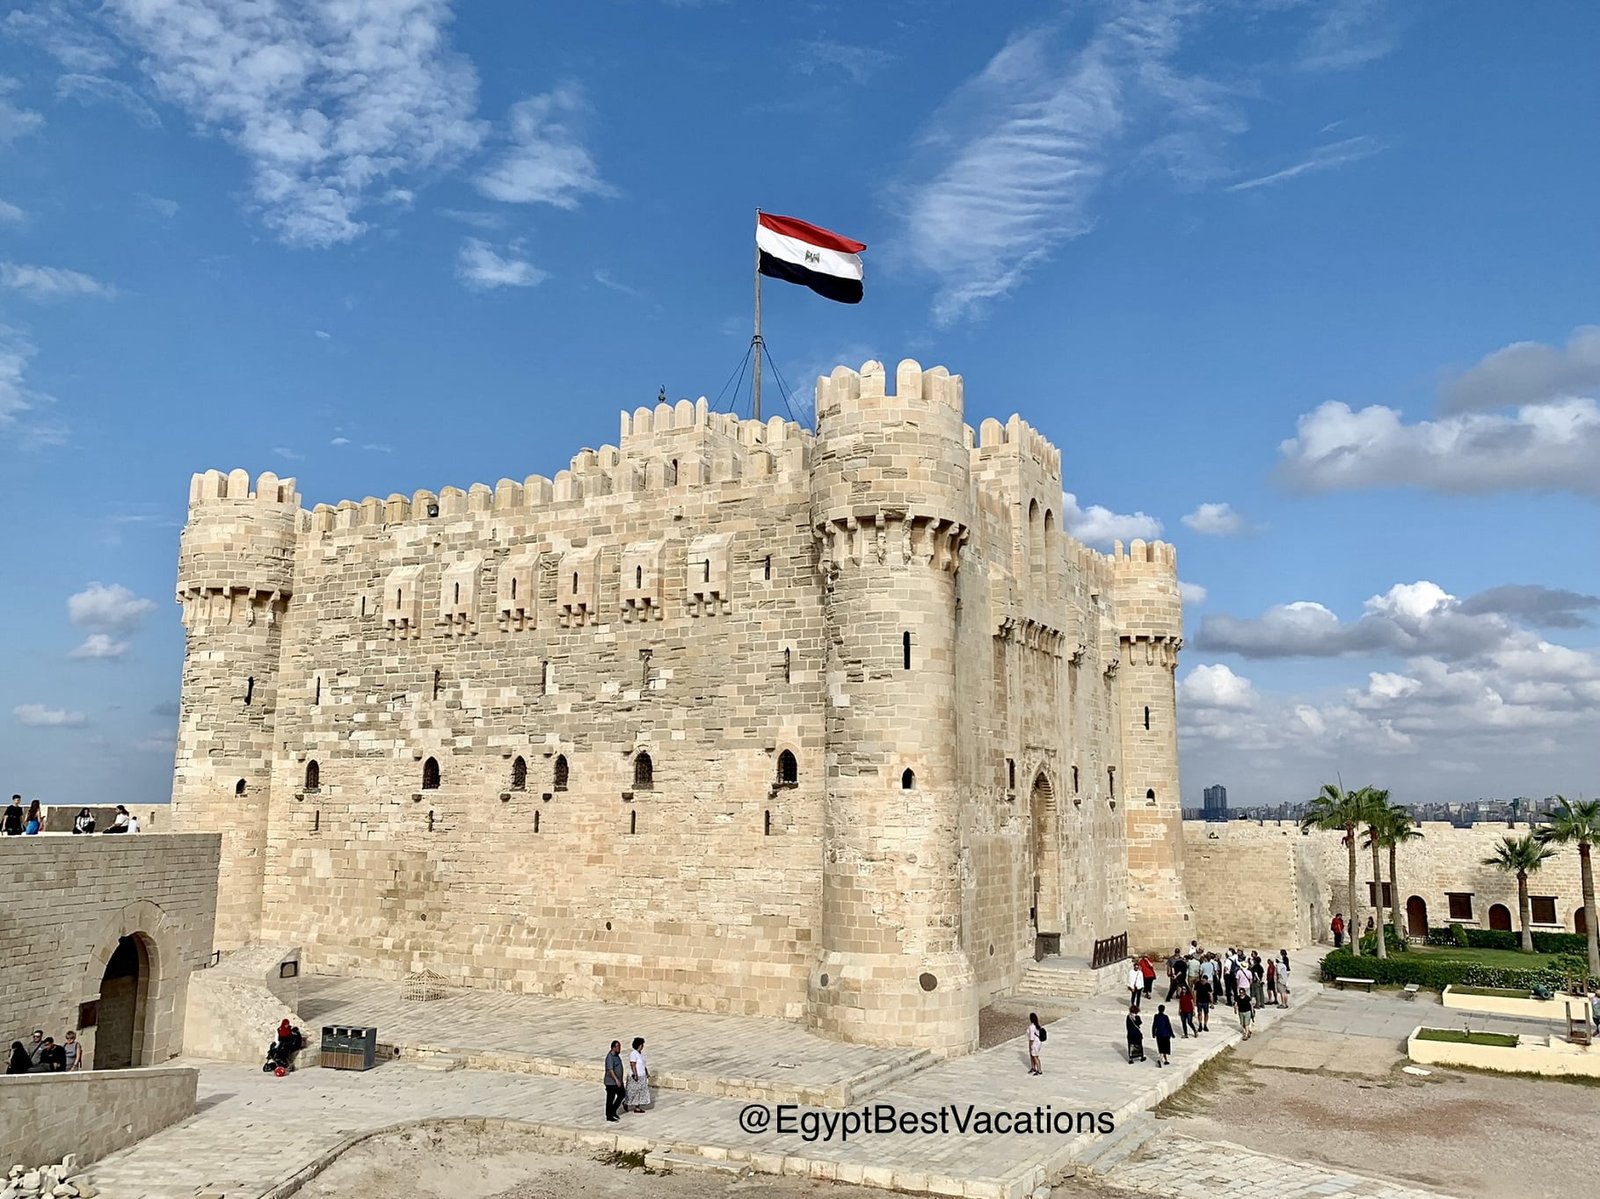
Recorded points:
453,1163
1464,1134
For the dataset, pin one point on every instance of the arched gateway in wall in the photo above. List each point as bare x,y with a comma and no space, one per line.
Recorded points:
132,990
1045,836
1416,917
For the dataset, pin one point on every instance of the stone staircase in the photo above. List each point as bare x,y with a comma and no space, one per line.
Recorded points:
1070,978
1132,1134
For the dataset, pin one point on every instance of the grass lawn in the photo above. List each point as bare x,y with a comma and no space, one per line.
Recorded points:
1512,958
1502,992
1459,1037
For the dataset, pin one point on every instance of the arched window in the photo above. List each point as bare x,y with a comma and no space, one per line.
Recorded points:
430,775
1147,717
519,774
644,772
908,780
672,473
238,788
1035,543
561,772
1049,545
313,775
788,770
905,650
638,576
1150,796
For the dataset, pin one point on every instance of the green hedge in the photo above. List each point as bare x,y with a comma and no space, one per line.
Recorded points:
1493,938
1434,974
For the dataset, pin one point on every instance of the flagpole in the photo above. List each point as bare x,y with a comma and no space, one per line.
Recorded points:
755,342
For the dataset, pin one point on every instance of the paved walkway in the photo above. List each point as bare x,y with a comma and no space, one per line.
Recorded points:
1181,1166
256,1132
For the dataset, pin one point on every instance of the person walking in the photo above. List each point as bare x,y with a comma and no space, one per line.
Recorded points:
1147,970
1202,1007
1135,985
1258,983
1177,971
33,823
638,1084
1245,1014
1036,1038
11,824
1135,1036
1186,1012
616,1086
83,822
1338,929
1162,1027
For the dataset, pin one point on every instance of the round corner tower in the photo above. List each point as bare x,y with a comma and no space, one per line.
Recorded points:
1149,614
235,577
889,510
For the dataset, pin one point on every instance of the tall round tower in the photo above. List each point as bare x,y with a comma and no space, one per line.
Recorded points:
1149,616
235,577
889,508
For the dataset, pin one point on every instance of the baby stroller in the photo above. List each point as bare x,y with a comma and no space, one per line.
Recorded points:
281,1051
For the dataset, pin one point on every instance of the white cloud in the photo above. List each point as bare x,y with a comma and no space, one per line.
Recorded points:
1346,34
11,214
322,334
546,162
482,268
1098,525
16,351
110,609
161,206
604,279
15,122
1216,687
837,59
100,647
329,101
1528,372
52,283
1009,166
340,441
1191,593
375,448
1543,447
60,33
286,453
1215,520
37,716
97,89
1323,158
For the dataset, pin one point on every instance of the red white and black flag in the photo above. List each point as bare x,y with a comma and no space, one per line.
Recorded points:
800,252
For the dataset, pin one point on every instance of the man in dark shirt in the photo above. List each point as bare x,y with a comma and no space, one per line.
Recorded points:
52,1057
614,1081
12,825
1177,971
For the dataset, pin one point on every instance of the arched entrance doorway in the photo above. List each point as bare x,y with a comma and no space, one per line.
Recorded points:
1500,918
1416,917
1046,845
1580,922
123,1010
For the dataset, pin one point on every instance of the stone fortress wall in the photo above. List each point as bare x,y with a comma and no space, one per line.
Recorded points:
1260,883
680,725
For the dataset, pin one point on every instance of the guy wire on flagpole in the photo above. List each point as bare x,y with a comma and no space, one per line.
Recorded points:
755,342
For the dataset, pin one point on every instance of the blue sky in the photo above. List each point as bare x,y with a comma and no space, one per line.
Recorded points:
1308,289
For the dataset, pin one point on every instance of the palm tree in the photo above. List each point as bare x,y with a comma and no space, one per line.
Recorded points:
1374,807
1338,810
1396,828
1579,824
1521,856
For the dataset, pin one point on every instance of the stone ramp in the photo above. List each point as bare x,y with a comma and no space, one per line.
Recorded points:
734,1057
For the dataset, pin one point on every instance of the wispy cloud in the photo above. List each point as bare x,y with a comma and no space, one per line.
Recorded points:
16,351
1323,158
546,161
15,122
161,206
1348,33
38,716
483,268
373,447
10,214
604,279
97,89
857,63
489,222
288,454
51,282
59,31
329,103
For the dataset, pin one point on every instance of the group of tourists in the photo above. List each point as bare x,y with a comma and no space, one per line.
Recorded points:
30,823
627,1086
44,1055
1196,980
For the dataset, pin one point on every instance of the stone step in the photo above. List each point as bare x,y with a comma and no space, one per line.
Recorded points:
442,1063
678,1162
1132,1134
872,1081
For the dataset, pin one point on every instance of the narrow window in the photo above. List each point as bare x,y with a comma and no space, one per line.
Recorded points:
574,582
633,820
249,690
317,699
436,676
397,597
766,823
788,770
536,822
1074,780
638,576
544,679
1111,780
561,772
458,593
905,650
519,774
238,788
908,780
672,473
787,661
1011,774
313,776
644,772
1147,718
708,570
766,568
1150,796
513,586
430,775
316,820
363,605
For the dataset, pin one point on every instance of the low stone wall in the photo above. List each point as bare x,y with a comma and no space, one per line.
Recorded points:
90,1112
59,817
1523,1007
1254,885
1532,1055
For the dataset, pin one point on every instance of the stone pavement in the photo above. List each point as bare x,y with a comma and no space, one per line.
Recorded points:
1176,1165
256,1133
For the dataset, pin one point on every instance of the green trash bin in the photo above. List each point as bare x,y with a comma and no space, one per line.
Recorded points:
349,1048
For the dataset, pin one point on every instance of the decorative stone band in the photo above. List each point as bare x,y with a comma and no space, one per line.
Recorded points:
891,539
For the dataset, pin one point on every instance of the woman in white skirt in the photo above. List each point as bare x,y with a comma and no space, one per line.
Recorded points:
637,1090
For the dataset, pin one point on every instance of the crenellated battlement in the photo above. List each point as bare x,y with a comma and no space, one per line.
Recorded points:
1145,558
1016,438
235,485
845,390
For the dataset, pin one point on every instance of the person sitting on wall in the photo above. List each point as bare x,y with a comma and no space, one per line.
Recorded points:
52,1058
33,824
120,823
83,822
281,1051
18,1062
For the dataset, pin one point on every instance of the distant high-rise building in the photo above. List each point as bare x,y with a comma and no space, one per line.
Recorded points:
1216,802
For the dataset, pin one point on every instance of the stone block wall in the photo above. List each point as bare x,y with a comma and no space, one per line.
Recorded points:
69,901
90,1113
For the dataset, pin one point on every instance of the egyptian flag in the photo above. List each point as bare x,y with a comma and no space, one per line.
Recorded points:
799,252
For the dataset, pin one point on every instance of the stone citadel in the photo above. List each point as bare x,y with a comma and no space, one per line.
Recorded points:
841,728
